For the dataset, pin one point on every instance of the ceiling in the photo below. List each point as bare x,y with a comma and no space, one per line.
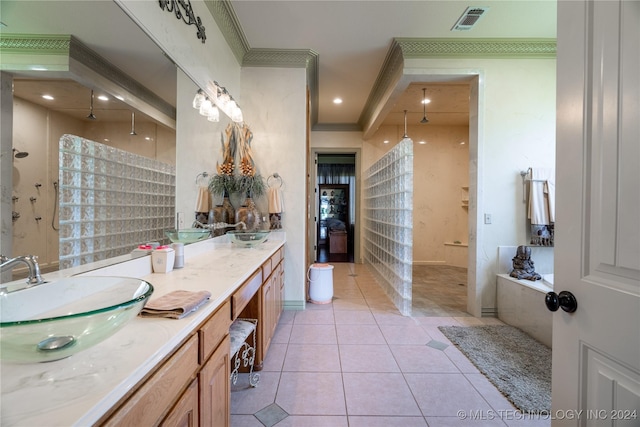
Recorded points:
351,38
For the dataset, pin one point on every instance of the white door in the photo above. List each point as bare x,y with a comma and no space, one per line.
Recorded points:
596,349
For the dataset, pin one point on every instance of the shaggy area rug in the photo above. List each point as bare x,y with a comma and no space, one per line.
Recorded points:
517,364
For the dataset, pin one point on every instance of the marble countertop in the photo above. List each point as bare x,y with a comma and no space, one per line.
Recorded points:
78,390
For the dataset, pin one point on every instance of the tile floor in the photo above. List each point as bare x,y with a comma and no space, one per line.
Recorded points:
357,362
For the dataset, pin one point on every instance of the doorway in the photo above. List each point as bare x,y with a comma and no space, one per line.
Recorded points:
335,207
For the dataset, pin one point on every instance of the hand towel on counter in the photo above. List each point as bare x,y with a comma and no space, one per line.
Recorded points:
176,304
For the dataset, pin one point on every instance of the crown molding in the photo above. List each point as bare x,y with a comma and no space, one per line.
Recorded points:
425,48
229,25
67,54
34,44
476,48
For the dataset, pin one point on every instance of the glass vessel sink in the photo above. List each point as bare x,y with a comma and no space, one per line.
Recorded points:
248,238
57,319
187,235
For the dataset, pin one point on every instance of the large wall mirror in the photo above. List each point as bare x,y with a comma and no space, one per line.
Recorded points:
114,73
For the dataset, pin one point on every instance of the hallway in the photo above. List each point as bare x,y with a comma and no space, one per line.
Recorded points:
357,362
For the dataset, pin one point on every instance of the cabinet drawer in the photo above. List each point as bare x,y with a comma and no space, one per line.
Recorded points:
243,295
151,401
275,258
266,269
214,330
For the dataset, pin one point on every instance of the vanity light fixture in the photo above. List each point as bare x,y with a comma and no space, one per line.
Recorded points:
425,101
217,98
48,97
91,116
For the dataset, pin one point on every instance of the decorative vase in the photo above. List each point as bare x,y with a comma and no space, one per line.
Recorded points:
249,214
223,213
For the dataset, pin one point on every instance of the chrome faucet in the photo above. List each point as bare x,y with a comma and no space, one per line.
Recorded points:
219,225
31,261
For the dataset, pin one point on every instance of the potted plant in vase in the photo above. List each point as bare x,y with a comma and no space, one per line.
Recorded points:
223,184
248,182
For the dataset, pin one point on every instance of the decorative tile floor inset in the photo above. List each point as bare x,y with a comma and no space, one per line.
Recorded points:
271,415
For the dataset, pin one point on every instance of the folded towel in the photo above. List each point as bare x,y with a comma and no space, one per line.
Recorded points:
203,202
275,200
176,304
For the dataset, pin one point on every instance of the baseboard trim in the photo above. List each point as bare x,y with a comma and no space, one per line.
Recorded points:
429,262
293,305
489,312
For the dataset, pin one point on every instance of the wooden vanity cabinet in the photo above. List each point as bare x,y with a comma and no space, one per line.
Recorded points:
266,305
186,412
192,386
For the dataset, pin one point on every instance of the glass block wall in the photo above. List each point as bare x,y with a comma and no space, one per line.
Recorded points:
388,223
110,201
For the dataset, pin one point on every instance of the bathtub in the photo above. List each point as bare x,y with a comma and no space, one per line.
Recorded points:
521,304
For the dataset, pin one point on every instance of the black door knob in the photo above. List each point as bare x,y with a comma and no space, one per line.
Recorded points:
564,300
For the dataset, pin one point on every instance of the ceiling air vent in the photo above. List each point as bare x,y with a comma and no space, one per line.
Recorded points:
469,18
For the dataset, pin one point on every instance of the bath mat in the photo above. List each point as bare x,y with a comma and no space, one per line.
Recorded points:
517,364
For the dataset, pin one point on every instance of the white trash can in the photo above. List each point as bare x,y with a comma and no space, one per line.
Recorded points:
320,278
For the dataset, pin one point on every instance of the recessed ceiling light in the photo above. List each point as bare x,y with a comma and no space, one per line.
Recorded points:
462,142
148,138
48,97
422,142
103,98
386,141
337,100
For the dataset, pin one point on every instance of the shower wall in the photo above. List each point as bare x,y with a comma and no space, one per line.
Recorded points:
387,222
440,197
37,130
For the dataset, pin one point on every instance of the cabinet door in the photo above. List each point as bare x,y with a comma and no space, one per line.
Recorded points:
185,413
268,314
215,388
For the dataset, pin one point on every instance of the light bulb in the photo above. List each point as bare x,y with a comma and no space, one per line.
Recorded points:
214,114
198,99
205,107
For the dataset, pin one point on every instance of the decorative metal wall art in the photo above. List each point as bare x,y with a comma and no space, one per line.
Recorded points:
184,11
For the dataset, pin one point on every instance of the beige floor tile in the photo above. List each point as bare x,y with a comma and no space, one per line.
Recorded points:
405,334
312,358
310,393
367,358
422,359
354,317
369,421
313,421
378,394
445,394
313,334
249,400
359,334
314,317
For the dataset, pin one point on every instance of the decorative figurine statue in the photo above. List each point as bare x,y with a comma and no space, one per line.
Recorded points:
523,265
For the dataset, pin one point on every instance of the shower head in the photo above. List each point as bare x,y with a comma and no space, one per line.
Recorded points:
20,154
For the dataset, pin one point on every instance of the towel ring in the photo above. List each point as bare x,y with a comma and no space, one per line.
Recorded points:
275,176
201,175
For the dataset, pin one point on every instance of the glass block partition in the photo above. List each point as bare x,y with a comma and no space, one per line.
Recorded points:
388,223
110,201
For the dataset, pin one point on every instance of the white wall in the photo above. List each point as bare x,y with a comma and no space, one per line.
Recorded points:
274,107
